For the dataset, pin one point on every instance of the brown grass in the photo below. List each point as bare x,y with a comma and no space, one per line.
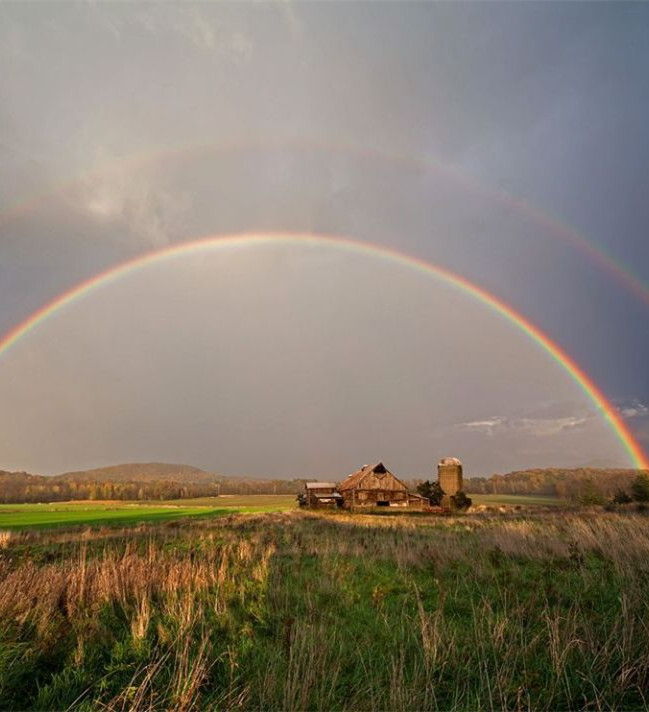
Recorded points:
299,611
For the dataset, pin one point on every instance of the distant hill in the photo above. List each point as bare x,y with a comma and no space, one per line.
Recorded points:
7,477
135,481
132,481
142,472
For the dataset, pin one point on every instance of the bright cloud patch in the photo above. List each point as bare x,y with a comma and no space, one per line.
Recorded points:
538,427
149,212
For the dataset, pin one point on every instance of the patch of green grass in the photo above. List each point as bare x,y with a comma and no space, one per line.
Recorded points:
529,500
39,516
261,502
308,611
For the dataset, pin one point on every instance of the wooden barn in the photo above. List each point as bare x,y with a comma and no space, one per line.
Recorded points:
376,486
320,495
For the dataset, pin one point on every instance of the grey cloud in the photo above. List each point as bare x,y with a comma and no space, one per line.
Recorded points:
193,24
634,410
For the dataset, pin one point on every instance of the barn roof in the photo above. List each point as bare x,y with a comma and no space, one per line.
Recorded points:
320,485
354,480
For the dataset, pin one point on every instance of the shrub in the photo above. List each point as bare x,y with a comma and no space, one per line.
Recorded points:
622,497
590,495
461,501
640,488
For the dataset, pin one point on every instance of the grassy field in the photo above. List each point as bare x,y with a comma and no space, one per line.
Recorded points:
514,499
96,513
300,611
28,516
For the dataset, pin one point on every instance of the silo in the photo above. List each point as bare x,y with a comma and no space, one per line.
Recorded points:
449,476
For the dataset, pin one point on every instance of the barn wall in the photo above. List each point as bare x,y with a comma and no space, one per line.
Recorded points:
369,497
387,482
417,502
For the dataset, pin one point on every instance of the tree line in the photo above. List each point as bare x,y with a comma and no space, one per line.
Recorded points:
16,488
581,485
570,484
22,487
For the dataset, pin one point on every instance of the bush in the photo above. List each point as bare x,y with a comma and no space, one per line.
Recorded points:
621,497
590,494
640,488
461,501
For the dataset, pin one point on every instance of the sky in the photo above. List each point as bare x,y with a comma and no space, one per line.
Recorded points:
504,142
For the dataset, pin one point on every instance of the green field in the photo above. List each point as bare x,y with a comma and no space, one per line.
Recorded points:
514,499
312,611
29,516
43,516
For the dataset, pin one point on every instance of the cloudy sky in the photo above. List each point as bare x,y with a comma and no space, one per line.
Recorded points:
505,142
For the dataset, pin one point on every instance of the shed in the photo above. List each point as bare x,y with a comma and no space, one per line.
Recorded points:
321,494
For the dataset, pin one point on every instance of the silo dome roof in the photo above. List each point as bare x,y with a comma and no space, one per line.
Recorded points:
449,461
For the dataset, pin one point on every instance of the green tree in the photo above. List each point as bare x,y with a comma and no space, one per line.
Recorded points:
432,491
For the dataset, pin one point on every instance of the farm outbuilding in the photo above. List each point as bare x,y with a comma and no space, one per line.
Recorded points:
322,495
376,486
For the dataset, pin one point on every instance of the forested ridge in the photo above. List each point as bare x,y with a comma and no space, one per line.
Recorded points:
572,484
16,487
134,481
161,481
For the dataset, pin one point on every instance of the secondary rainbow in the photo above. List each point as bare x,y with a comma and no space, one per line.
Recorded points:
622,274
590,388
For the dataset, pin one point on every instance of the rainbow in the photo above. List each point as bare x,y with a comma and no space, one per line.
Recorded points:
620,273
113,274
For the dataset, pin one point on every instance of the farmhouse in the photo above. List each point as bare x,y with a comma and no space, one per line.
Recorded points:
376,486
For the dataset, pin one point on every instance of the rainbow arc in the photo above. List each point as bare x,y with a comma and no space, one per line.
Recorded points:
587,385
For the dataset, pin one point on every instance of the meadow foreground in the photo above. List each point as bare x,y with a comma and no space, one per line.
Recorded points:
298,611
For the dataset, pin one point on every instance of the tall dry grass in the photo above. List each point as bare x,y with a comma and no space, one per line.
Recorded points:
301,611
